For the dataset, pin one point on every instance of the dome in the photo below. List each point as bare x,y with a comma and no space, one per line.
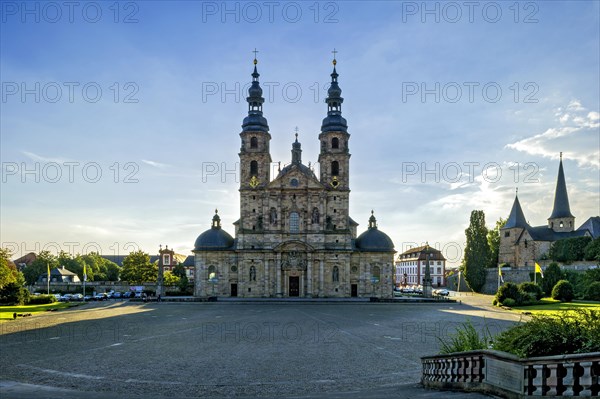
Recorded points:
334,90
255,90
334,122
374,240
255,122
214,239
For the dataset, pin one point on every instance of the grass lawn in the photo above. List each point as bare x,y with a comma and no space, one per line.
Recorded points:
6,312
549,306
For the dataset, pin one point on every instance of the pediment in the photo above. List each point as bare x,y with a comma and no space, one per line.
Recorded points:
293,246
296,176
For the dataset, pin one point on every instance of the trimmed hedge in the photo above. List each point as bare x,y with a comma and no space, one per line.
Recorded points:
41,299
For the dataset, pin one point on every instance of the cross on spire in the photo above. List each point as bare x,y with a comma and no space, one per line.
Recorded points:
255,52
296,130
334,53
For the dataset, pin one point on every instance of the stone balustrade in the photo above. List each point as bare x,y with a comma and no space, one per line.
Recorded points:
507,375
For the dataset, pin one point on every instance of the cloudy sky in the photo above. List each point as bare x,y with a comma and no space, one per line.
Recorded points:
120,121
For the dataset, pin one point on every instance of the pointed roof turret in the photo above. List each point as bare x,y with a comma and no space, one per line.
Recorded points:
334,120
561,199
296,151
516,217
255,121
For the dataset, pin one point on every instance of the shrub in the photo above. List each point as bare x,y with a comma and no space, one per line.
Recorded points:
466,338
569,249
563,291
593,291
509,302
592,250
552,275
531,290
506,291
566,333
41,299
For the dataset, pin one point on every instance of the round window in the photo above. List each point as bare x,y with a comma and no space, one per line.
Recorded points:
233,269
354,269
294,182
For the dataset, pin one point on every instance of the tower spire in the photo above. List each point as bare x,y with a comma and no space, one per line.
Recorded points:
255,120
516,217
334,120
296,150
561,207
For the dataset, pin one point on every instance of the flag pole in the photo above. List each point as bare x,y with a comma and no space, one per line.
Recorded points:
48,279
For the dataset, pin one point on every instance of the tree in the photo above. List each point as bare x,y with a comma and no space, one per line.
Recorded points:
179,271
39,266
563,291
8,270
569,249
477,251
169,279
11,281
552,275
137,268
493,239
592,250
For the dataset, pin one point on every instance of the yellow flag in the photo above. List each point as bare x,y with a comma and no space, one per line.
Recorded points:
84,272
48,264
499,271
538,269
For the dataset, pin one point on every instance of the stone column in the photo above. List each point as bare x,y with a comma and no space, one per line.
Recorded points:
266,287
321,277
278,274
309,276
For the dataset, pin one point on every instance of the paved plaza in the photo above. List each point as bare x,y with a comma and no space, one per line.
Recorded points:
232,349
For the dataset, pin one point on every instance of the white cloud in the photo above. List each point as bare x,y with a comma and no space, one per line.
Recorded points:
576,136
39,158
155,164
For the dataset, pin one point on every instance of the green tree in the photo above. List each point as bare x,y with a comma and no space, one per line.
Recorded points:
569,249
39,266
137,268
169,279
563,291
552,275
179,271
477,251
8,270
592,250
493,239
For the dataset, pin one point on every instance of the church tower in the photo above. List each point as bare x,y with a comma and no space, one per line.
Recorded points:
334,157
255,158
561,219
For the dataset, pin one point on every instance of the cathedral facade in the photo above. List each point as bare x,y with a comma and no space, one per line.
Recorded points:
294,237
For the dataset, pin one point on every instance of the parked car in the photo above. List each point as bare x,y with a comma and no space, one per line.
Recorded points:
138,295
65,298
443,292
77,297
128,294
57,296
101,297
117,295
88,298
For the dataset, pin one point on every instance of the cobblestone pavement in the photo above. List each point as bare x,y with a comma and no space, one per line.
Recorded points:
233,349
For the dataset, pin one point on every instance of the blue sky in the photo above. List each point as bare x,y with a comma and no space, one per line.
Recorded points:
150,94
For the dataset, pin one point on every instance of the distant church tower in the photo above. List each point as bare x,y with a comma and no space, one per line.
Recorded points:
561,220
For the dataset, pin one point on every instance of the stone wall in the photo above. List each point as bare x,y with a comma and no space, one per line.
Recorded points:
94,286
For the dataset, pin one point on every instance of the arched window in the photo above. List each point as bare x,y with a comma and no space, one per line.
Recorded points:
335,168
253,168
335,274
335,142
253,142
212,272
252,273
294,222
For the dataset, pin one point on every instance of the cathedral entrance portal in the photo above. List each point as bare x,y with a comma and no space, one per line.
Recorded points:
294,286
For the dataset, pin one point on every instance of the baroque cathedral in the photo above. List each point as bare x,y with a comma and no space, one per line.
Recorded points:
294,237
